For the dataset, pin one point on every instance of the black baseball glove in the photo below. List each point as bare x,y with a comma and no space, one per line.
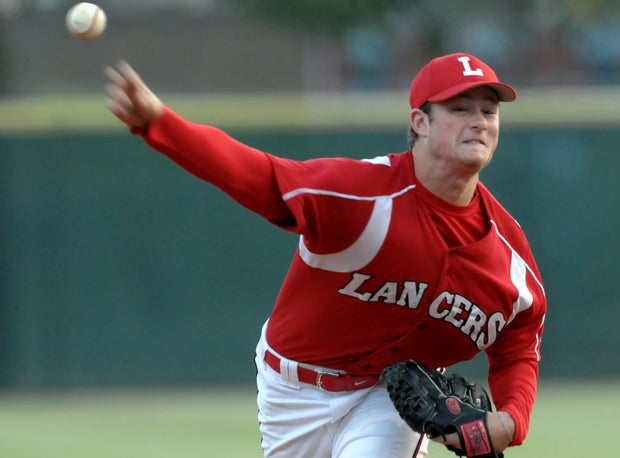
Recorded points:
436,405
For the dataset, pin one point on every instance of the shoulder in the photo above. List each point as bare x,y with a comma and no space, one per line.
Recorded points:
388,163
505,222
382,174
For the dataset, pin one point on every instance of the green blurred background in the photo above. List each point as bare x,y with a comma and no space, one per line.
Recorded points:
120,268
119,271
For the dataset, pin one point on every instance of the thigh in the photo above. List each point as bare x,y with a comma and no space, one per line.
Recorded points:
374,429
293,420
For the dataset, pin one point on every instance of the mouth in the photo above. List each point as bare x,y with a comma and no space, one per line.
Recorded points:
475,141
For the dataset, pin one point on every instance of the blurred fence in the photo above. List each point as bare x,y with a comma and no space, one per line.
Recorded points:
217,45
119,268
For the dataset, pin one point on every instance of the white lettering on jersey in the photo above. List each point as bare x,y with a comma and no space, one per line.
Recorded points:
470,319
468,71
410,292
387,292
495,324
351,288
452,308
435,310
475,321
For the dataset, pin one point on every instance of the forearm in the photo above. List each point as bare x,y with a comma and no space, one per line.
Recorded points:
514,392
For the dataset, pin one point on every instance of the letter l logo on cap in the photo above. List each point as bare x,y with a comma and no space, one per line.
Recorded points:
468,70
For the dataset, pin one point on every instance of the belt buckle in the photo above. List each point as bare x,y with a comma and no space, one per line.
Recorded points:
319,376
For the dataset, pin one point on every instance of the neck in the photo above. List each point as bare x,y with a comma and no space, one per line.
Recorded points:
454,186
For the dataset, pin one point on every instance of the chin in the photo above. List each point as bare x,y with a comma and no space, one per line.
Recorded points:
479,159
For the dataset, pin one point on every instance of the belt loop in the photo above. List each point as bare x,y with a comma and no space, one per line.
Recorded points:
288,373
288,370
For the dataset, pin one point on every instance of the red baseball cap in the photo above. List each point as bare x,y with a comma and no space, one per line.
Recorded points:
447,76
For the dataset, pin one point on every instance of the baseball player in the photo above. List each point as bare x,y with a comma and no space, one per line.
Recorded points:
401,256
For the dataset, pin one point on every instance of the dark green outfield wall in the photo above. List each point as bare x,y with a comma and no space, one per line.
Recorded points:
119,268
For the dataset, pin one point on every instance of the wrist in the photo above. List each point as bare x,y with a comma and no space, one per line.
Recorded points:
501,429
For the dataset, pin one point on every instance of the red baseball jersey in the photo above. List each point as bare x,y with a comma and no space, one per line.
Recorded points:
384,270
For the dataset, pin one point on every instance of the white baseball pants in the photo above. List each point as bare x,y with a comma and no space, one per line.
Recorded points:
298,420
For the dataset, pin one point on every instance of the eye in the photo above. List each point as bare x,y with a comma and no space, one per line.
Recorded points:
490,109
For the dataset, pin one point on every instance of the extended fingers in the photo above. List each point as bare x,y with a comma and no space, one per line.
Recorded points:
131,76
123,108
129,99
123,81
114,76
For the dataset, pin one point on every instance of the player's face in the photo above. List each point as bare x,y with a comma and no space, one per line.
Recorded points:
465,129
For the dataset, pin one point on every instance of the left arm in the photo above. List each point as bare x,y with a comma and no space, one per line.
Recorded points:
513,379
513,371
501,429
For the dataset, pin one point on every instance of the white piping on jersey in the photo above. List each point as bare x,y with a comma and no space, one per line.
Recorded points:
367,245
503,239
539,338
518,274
324,192
379,160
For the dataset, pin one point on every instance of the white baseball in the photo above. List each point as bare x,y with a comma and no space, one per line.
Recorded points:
86,20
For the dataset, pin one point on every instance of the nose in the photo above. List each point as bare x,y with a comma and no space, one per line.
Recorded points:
478,120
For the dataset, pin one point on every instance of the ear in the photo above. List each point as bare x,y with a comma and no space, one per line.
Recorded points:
419,122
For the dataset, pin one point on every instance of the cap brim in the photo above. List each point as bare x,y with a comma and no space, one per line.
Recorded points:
504,91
